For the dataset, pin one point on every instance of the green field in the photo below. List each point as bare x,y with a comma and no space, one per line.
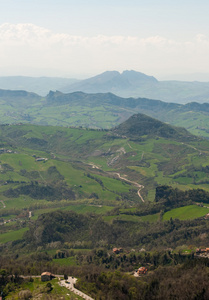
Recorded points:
69,261
38,290
12,236
71,154
186,213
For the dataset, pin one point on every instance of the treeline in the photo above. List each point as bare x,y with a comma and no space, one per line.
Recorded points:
38,191
70,228
174,197
187,281
9,282
167,198
127,262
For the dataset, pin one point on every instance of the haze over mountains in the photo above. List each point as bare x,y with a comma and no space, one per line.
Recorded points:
125,84
136,84
39,85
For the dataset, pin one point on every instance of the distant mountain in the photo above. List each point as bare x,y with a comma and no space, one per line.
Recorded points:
136,84
112,81
39,85
126,84
19,98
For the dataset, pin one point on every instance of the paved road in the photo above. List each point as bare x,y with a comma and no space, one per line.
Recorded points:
70,285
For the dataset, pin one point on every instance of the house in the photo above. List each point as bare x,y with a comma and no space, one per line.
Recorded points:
142,271
47,276
117,250
41,159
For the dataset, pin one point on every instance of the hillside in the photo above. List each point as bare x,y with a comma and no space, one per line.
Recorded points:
147,151
97,110
140,125
71,195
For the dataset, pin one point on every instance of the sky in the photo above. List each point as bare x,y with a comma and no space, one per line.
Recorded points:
79,39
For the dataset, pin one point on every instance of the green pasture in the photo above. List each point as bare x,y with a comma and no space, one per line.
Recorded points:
147,172
69,261
80,208
189,212
23,201
151,218
115,184
127,210
151,195
76,178
65,115
12,235
38,290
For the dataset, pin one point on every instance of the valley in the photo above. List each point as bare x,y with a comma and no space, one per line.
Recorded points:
70,195
104,150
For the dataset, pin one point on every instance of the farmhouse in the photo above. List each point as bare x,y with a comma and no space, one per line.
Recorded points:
117,250
41,159
142,271
46,276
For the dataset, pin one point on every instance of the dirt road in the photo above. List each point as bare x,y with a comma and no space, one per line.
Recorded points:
69,284
133,182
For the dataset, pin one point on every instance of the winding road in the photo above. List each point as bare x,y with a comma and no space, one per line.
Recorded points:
140,186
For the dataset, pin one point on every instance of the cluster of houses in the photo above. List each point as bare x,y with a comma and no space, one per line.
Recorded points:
202,251
142,271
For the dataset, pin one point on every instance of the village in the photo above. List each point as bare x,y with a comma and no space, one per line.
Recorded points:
204,252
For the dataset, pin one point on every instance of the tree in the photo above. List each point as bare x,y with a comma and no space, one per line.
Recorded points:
65,276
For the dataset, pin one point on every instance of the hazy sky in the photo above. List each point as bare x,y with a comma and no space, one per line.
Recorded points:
82,38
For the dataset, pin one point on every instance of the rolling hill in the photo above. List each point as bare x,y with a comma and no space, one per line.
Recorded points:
68,196
102,111
113,163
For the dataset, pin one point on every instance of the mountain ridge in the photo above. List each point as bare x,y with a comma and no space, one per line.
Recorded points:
136,84
127,84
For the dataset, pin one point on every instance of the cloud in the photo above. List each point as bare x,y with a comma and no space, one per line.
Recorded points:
29,46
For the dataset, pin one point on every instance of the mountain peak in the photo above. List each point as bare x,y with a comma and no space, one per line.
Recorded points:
134,76
112,81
